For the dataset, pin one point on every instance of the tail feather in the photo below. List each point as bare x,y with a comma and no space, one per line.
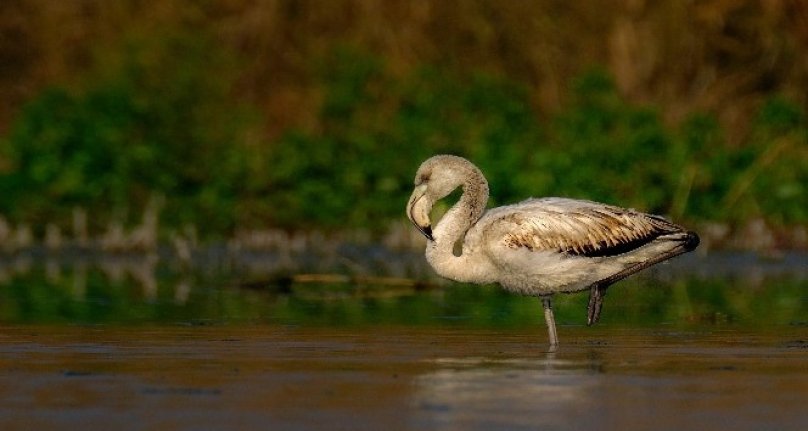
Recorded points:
691,241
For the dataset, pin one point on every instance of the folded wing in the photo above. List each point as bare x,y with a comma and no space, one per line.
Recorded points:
575,227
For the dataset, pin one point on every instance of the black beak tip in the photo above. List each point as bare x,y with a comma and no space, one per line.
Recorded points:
427,231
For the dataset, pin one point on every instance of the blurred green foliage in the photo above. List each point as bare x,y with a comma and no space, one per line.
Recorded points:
377,130
162,124
357,169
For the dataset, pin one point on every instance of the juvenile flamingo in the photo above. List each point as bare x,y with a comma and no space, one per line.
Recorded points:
537,247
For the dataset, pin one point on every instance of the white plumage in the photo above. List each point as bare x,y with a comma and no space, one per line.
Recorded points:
539,246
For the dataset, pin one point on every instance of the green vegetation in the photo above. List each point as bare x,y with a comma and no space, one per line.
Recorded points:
161,126
606,149
225,117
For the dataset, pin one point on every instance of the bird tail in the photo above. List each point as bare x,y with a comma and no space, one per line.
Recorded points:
691,241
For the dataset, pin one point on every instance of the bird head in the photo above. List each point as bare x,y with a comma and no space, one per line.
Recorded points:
436,178
418,208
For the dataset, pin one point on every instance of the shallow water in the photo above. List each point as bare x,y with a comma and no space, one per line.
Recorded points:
713,345
277,377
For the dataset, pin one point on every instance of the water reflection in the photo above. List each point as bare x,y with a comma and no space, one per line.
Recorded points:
639,381
519,386
372,286
516,394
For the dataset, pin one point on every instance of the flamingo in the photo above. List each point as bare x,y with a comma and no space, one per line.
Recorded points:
537,247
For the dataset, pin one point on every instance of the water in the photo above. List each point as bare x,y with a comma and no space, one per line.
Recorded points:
717,342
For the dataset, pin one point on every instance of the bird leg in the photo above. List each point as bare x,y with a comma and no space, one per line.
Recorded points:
549,319
596,293
598,290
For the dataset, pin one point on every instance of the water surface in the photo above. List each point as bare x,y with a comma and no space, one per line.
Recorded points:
278,377
148,345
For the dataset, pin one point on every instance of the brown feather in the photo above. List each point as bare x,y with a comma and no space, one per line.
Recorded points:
591,232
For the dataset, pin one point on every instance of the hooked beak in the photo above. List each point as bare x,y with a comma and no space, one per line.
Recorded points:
418,209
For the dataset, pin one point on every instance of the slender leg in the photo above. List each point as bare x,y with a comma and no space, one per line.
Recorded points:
598,290
596,293
546,302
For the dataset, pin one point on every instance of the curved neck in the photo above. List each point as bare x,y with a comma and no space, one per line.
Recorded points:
453,226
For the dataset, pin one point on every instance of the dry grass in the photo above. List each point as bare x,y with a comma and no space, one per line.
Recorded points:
722,56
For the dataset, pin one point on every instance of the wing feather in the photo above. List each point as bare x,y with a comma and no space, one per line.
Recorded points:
575,227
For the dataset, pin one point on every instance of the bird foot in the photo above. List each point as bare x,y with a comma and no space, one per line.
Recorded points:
596,294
